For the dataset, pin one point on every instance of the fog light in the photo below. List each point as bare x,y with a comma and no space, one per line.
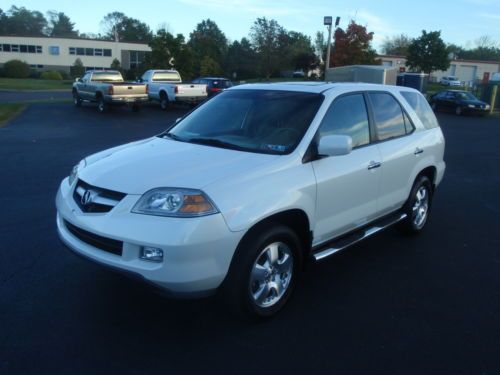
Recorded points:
151,253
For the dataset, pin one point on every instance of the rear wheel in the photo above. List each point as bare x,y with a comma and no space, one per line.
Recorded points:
76,99
264,272
418,206
164,101
101,105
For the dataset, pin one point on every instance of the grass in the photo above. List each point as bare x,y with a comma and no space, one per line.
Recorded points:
33,84
9,111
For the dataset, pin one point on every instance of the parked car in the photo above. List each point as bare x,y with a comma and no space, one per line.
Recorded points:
166,87
450,81
107,87
214,84
458,101
298,74
246,188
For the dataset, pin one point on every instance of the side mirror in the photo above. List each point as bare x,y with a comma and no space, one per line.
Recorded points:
335,145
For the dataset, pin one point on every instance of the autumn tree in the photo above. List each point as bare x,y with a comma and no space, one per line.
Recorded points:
353,46
428,53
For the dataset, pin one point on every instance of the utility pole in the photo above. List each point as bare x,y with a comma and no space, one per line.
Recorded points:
327,20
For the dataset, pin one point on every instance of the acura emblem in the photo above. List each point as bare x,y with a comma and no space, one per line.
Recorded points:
87,198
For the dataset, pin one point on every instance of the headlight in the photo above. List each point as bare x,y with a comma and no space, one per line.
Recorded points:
487,106
74,172
175,202
472,106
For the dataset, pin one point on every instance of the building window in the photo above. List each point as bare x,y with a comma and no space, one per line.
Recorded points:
39,49
72,50
31,49
89,52
23,48
14,47
53,50
97,51
107,52
80,51
137,58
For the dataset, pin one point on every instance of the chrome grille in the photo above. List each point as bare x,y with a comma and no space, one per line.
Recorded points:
93,199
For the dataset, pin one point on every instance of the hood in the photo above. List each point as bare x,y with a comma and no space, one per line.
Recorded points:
158,162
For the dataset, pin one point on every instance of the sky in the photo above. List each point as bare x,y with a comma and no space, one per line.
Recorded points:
461,21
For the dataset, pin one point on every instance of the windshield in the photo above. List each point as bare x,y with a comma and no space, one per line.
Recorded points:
262,121
107,77
466,96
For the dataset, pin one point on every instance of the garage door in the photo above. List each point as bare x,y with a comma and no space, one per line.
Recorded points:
468,73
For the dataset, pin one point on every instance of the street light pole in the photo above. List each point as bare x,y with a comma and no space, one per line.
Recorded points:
327,20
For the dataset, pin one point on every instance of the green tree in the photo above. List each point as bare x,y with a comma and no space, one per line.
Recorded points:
396,45
169,52
297,52
353,46
241,60
207,40
428,53
3,22
115,64
209,67
60,25
16,69
77,70
21,21
266,36
117,26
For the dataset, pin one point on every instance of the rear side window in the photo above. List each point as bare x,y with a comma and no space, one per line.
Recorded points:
166,77
422,108
347,116
388,116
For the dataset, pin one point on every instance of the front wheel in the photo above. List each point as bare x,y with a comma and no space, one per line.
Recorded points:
76,99
418,206
164,102
264,272
459,111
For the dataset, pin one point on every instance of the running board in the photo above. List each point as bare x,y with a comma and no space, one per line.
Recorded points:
346,241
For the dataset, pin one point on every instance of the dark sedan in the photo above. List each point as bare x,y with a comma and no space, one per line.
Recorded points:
214,84
458,101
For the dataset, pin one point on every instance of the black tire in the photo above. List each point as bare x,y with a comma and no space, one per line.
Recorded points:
412,224
459,111
102,106
164,103
76,99
238,290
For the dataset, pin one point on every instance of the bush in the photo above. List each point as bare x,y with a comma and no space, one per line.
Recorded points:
16,69
51,74
64,74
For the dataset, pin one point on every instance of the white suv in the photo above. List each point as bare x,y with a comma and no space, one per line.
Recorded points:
450,81
237,195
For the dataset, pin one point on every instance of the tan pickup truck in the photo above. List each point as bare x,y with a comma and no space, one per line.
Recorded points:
107,87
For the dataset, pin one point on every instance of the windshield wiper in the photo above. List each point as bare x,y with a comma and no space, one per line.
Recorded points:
216,143
173,136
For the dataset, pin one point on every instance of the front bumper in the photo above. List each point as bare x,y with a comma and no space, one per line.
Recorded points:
197,251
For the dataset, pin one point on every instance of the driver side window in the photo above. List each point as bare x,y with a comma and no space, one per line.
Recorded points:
347,116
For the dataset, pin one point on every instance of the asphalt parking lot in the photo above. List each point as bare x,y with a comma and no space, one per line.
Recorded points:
424,305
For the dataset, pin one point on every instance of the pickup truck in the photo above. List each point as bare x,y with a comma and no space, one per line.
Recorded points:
107,87
166,87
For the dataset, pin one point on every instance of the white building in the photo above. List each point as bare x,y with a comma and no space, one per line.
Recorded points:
47,53
467,71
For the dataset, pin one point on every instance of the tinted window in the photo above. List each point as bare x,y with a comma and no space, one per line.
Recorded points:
23,48
89,51
222,84
347,116
6,47
80,51
107,52
388,116
422,108
107,76
166,76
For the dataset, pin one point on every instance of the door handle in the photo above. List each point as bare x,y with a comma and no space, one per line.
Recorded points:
418,151
373,165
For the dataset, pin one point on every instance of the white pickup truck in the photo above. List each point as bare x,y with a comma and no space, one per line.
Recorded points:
166,87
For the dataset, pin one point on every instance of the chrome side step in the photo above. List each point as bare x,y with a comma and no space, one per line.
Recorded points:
346,241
